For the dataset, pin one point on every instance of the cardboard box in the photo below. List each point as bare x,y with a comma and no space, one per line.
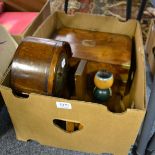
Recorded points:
41,6
7,43
103,131
150,47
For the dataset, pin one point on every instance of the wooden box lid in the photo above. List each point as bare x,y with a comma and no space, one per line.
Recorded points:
97,46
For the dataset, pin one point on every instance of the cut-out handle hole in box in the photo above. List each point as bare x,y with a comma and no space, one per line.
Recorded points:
67,126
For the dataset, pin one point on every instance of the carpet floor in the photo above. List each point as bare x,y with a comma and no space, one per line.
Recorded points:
10,146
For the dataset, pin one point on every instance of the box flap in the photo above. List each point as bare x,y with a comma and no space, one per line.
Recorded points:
7,49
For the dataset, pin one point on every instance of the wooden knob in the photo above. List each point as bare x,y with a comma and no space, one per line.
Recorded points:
40,66
103,79
102,95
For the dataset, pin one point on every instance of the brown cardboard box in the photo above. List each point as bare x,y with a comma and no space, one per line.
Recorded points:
41,6
103,131
150,47
7,43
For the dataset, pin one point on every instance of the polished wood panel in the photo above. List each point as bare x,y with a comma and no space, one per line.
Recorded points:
97,46
80,80
37,64
70,126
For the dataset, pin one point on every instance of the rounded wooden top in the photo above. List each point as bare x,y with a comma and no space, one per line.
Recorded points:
35,65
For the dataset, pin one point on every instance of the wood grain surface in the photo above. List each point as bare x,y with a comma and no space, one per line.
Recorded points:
97,46
35,65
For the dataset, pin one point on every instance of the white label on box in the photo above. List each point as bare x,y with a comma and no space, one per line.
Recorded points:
63,105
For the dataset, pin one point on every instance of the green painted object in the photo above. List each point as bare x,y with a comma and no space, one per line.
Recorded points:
101,95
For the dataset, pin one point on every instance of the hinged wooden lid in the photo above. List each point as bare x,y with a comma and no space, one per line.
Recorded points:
97,46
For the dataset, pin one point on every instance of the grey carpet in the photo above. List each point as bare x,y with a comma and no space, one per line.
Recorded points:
10,146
